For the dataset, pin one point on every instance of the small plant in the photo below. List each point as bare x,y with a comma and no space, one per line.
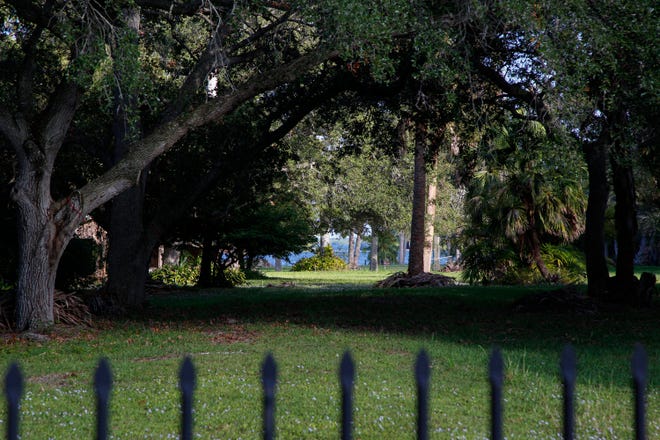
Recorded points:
184,274
320,262
235,277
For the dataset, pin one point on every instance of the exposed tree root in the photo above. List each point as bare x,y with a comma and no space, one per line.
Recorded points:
425,279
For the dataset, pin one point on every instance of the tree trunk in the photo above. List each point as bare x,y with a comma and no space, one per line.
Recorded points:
435,263
324,241
373,261
44,229
625,220
356,251
535,242
128,255
402,248
129,251
208,256
597,273
429,230
351,249
37,269
417,230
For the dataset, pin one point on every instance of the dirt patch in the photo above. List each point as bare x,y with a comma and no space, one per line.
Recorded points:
231,335
55,380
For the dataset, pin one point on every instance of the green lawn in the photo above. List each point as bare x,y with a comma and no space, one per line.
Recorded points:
307,327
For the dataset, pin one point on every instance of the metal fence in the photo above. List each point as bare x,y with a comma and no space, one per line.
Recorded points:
422,371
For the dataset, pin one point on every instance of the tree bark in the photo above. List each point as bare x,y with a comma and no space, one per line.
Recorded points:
597,273
417,230
373,261
402,248
351,249
356,251
625,220
429,230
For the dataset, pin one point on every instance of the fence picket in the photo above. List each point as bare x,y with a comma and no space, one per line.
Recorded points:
14,383
422,376
640,374
346,379
269,381
496,378
187,386
568,368
102,388
13,391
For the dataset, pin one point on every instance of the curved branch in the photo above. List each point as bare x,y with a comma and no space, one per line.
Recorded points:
127,171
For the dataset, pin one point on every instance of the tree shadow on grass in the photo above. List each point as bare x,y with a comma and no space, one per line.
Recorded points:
462,315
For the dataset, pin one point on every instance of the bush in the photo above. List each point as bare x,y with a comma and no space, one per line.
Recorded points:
184,274
327,261
486,263
235,277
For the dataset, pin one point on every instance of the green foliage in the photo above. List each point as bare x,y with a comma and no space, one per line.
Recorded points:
235,277
487,262
184,274
320,262
566,262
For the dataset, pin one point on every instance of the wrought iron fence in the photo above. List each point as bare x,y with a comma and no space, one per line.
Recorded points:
422,371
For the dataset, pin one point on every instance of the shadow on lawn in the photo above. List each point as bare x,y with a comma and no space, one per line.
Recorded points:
454,314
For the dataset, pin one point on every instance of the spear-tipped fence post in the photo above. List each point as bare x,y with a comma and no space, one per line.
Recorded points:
187,386
568,371
422,375
346,379
102,388
496,378
269,381
13,391
640,375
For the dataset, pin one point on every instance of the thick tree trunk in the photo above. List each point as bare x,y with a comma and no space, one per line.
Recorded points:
129,251
417,230
373,260
597,273
44,230
625,220
37,269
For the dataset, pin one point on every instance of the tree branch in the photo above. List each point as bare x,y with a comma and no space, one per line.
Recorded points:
15,131
127,171
190,7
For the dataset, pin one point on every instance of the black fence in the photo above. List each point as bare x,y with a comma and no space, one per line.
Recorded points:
422,370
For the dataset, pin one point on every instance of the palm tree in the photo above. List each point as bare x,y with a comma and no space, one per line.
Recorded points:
526,193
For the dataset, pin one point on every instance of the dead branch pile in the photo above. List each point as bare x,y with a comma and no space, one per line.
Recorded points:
69,309
425,279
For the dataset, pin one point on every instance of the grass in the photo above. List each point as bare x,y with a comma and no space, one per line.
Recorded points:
307,328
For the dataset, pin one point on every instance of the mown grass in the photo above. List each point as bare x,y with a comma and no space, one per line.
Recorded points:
307,328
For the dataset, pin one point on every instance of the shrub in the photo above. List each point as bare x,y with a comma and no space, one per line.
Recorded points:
235,277
326,261
185,274
486,263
